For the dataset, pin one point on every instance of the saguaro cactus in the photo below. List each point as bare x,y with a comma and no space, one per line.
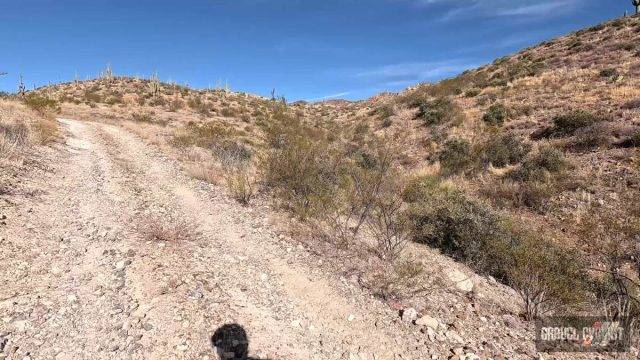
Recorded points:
22,89
155,84
636,3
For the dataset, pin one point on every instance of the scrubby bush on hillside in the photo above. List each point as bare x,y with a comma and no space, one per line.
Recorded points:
540,176
539,166
635,138
495,115
472,92
503,150
567,124
590,137
300,167
385,111
142,117
614,235
231,153
609,73
545,275
439,111
455,156
41,104
199,106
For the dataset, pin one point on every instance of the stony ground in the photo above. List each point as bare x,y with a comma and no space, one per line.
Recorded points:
111,252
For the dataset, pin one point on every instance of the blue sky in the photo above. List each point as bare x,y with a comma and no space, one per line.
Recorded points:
304,49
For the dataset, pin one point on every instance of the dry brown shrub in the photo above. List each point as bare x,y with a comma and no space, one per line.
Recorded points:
159,228
241,185
204,172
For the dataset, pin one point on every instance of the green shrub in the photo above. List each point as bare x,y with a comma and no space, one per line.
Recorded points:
609,73
455,156
421,187
472,93
538,167
454,224
439,111
496,115
505,150
385,111
636,139
299,167
141,117
594,136
533,195
92,97
386,123
231,153
544,274
40,103
567,124
199,106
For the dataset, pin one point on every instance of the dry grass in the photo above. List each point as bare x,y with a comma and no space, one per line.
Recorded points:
47,129
204,172
21,127
241,185
165,229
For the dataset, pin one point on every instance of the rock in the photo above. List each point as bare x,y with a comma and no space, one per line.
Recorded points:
72,298
460,280
457,351
428,321
453,336
295,323
409,315
471,356
3,342
351,318
430,334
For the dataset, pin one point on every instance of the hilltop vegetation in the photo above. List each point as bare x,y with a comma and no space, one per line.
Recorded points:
522,168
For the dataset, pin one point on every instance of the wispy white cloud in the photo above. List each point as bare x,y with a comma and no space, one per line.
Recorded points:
408,73
332,96
500,8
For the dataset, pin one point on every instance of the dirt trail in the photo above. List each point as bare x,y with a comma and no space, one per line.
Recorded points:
121,256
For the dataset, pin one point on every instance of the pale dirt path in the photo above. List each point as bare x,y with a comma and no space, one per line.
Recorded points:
83,279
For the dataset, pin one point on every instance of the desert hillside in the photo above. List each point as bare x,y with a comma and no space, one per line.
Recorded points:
438,222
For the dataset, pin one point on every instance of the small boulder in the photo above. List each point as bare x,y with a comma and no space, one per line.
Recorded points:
453,336
409,315
460,280
428,321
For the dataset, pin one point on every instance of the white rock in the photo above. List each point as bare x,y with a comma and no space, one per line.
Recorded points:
72,298
460,280
351,317
120,265
409,315
428,321
452,335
